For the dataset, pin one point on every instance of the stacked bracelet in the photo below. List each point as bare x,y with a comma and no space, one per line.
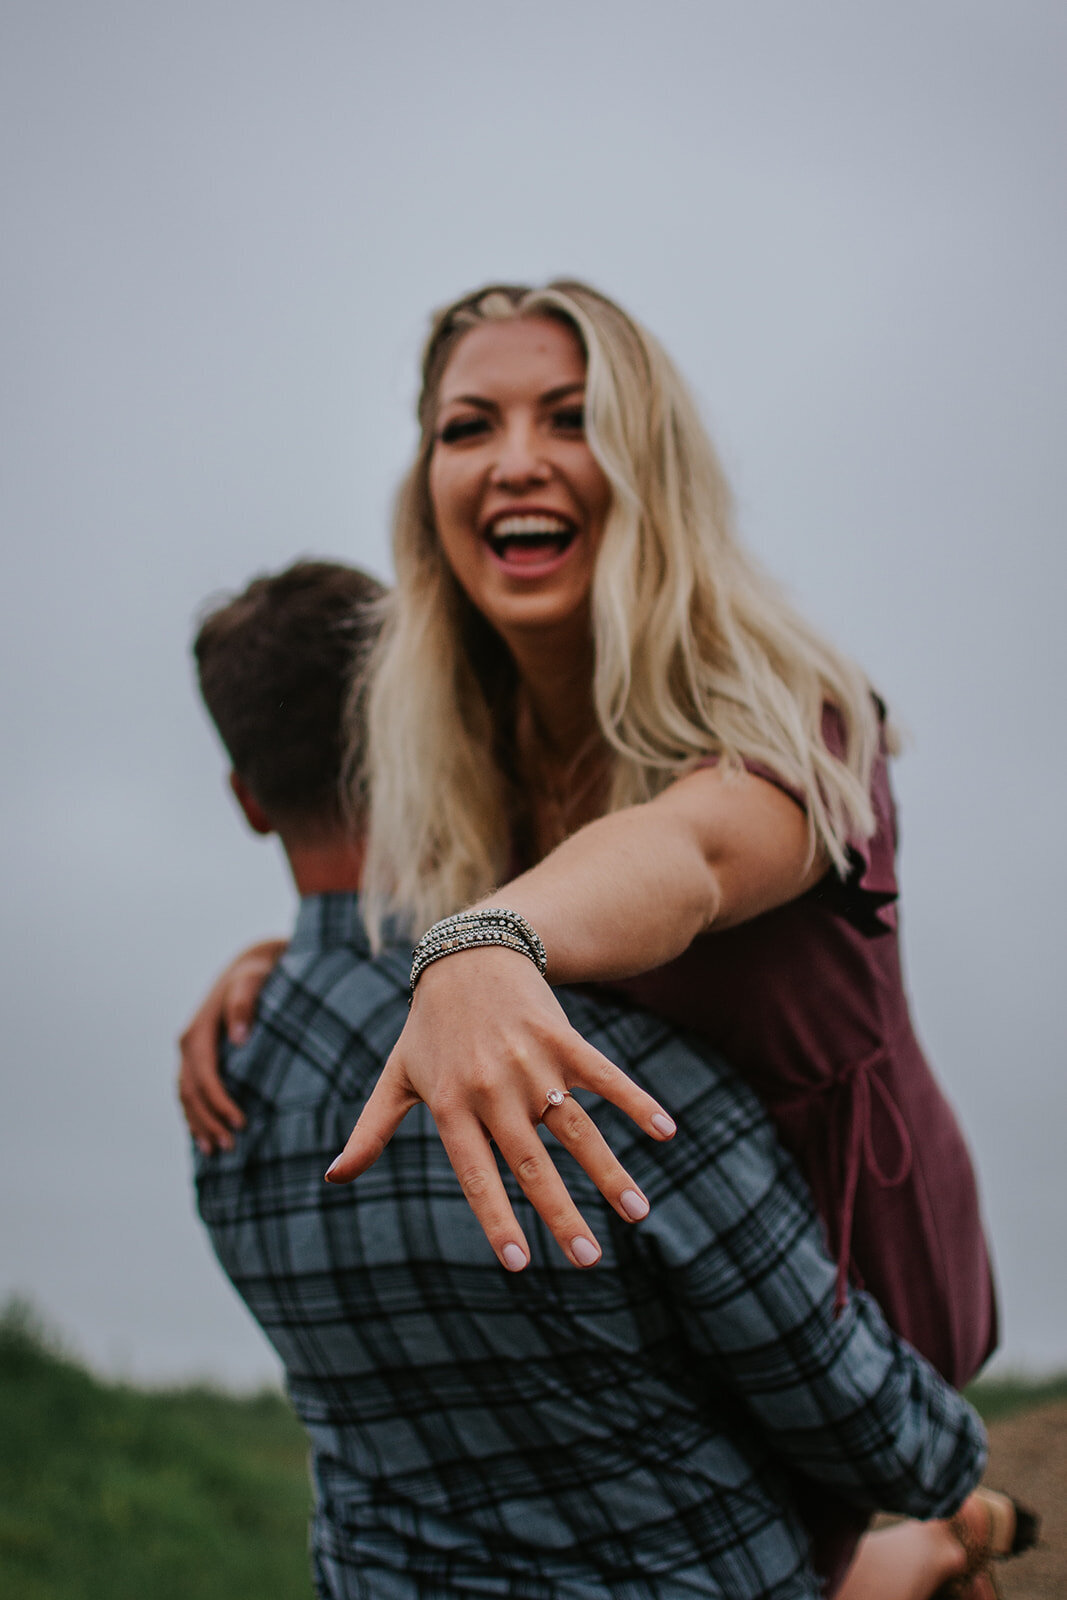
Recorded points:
469,929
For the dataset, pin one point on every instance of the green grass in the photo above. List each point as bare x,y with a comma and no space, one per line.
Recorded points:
108,1492
996,1398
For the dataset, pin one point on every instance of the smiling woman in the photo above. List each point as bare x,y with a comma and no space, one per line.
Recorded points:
585,675
519,499
635,642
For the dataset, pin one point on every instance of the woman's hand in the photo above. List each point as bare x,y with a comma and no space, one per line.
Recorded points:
485,1042
229,1006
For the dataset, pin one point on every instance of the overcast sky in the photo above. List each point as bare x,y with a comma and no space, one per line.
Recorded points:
225,225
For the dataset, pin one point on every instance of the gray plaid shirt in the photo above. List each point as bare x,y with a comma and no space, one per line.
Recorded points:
634,1432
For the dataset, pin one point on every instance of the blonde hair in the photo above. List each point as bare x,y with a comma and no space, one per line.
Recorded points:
697,653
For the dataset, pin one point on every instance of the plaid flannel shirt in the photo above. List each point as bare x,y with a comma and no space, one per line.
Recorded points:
630,1432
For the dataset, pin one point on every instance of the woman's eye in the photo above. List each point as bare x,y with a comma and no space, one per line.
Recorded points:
461,428
570,419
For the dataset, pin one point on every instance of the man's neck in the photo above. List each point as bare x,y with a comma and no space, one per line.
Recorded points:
332,865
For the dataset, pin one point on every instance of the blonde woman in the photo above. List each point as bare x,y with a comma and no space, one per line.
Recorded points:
590,709
583,669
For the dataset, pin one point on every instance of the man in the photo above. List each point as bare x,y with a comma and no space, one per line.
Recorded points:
641,1430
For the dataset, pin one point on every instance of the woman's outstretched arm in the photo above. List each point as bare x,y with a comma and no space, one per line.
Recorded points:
486,1040
634,889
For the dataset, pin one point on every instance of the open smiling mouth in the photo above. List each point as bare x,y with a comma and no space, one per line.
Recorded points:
529,540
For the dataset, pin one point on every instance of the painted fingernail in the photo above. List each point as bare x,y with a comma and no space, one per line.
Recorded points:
239,1033
584,1252
513,1257
334,1164
663,1124
635,1205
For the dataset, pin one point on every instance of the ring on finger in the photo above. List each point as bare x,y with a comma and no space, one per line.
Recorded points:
554,1098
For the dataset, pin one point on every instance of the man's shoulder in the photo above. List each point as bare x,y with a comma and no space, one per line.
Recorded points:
327,1017
329,965
645,1045
340,980
677,1067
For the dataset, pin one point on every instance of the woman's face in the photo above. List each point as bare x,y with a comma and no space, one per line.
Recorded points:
519,499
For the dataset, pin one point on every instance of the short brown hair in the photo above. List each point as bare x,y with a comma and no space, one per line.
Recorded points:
276,664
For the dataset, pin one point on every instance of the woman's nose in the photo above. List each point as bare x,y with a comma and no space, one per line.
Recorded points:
520,459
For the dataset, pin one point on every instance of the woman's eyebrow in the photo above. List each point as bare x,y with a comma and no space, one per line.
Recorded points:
479,402
552,395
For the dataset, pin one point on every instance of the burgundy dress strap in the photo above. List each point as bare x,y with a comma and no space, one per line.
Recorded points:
852,1097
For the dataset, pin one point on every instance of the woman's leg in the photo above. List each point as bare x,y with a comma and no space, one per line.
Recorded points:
912,1560
908,1561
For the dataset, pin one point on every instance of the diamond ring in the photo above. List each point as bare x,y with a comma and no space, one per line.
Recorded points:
554,1097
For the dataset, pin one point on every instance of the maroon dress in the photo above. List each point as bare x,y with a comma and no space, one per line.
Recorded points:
808,1003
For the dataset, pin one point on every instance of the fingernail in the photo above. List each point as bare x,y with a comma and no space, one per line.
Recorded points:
204,1146
635,1205
584,1252
225,1141
239,1033
513,1257
334,1164
663,1124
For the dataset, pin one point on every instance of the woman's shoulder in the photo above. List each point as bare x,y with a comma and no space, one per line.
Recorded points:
866,891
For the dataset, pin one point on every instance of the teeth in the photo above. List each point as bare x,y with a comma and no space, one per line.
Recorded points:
530,527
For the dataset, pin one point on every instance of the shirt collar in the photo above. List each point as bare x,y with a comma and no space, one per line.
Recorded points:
327,920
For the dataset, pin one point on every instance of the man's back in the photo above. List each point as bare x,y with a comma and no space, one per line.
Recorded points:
621,1432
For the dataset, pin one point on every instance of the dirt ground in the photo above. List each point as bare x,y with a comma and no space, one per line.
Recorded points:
1028,1458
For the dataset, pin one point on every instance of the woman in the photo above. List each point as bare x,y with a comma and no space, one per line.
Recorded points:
585,676
575,631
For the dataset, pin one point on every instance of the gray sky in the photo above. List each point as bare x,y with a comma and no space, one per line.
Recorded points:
225,226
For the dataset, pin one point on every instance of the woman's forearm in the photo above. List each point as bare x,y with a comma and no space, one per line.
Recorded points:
617,898
634,889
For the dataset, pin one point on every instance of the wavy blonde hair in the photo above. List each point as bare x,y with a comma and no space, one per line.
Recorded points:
696,651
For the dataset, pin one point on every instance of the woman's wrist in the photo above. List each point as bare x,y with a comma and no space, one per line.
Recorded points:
471,930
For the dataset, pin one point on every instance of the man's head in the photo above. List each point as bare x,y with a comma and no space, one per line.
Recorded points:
275,666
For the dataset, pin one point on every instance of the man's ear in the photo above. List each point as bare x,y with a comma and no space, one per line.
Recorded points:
255,815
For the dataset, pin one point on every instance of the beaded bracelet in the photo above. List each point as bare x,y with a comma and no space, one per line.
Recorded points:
469,930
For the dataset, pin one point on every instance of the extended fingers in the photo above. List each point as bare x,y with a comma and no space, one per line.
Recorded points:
547,1193
588,1069
471,1155
579,1135
389,1103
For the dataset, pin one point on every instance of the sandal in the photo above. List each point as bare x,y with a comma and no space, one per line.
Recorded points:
1004,1529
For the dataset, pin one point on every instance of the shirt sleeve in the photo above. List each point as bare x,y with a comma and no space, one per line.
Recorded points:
841,1399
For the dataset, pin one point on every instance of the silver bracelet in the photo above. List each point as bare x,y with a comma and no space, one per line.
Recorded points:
469,930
